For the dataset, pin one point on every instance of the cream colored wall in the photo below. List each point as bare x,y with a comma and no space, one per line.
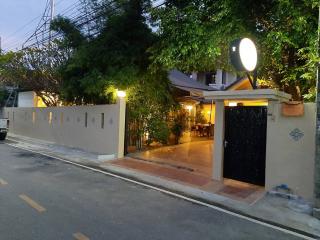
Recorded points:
68,128
288,161
218,143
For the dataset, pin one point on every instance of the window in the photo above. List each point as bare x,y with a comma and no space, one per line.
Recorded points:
210,78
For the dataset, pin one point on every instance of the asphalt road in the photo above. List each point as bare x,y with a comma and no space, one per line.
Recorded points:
43,198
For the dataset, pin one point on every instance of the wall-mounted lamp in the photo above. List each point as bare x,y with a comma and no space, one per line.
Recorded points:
121,94
244,57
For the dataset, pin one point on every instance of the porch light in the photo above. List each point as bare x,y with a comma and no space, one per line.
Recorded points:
244,56
121,94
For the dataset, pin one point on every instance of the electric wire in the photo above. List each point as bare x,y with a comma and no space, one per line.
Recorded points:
80,20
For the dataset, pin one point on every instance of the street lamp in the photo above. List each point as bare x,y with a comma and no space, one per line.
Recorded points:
244,57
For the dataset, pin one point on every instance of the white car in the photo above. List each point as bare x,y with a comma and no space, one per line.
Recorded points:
4,125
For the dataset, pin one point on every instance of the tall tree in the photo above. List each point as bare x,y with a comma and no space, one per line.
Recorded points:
117,57
195,36
35,70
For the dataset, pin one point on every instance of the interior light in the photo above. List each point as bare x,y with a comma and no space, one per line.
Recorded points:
189,107
233,104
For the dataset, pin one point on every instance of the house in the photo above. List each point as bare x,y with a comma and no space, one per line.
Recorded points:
254,143
29,99
189,93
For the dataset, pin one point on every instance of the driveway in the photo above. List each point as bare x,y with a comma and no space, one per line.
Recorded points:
194,156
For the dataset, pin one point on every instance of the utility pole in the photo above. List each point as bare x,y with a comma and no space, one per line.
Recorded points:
316,210
52,5
0,46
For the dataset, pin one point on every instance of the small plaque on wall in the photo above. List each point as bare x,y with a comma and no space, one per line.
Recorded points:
292,109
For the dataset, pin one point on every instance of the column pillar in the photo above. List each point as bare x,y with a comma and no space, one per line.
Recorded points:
218,148
121,126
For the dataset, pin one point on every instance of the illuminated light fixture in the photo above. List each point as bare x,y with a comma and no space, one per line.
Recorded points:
121,94
244,55
209,112
189,107
233,104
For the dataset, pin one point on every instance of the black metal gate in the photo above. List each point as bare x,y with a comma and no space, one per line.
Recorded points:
245,144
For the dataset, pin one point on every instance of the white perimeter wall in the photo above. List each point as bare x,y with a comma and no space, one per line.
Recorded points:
290,161
102,132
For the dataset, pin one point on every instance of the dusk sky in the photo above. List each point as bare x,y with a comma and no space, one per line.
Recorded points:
16,19
19,18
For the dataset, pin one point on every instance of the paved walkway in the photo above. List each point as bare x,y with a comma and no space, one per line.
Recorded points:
243,192
193,156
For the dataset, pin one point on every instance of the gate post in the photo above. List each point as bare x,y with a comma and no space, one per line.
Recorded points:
218,148
121,126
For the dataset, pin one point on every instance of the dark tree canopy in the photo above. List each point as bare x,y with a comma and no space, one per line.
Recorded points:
195,36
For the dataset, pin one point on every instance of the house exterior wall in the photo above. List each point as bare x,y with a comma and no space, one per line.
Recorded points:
207,111
230,78
29,99
98,129
290,161
26,99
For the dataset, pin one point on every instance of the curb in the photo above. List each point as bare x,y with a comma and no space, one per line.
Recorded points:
174,191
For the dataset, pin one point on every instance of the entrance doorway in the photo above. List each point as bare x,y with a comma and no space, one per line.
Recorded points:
245,144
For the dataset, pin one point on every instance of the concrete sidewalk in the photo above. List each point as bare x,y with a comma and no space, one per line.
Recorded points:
267,208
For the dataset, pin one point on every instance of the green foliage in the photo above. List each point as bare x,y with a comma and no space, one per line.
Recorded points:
74,38
158,130
149,103
35,69
3,96
179,124
117,58
195,35
288,43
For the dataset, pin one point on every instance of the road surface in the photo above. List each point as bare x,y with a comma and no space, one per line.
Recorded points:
42,198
